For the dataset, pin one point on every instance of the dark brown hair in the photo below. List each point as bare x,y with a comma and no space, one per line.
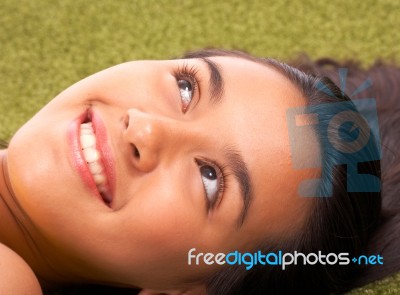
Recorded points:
385,89
350,222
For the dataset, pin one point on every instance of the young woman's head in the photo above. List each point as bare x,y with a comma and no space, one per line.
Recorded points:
186,153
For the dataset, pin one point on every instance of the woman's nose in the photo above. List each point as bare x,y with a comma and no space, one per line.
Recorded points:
145,134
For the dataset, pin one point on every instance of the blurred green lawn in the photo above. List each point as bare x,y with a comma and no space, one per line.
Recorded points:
46,45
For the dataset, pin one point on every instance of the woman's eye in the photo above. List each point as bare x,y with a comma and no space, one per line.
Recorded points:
210,181
186,90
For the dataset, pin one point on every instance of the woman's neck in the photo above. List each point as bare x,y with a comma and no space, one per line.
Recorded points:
15,228
13,220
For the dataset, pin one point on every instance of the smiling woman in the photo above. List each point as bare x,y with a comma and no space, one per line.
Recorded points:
134,166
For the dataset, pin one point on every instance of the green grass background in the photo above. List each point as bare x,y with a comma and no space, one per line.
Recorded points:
46,45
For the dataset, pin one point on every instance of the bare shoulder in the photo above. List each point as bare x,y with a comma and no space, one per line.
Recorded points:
16,277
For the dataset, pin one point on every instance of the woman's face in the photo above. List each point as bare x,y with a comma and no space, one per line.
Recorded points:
188,154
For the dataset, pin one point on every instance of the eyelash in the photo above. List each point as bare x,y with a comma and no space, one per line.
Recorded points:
189,73
222,175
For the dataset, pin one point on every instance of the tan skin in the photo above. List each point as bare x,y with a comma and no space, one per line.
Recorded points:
159,209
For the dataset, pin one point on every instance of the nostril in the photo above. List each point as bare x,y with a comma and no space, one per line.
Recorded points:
136,152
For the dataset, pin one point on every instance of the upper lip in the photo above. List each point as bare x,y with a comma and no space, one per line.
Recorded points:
104,149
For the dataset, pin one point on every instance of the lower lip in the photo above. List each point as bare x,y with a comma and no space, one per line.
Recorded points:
79,161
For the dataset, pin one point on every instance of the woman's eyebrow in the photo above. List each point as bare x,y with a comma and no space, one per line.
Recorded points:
239,169
216,81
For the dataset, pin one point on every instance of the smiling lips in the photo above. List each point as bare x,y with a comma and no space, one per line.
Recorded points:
92,156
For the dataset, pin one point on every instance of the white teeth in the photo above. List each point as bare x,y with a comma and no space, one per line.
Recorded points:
99,178
88,140
87,126
86,132
92,155
95,168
